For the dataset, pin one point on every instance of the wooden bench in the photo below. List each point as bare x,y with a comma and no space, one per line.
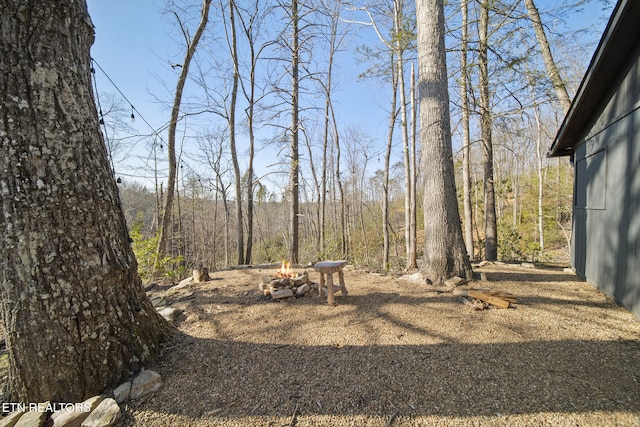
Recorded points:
328,268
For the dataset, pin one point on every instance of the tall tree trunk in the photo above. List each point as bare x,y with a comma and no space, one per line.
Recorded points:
343,215
466,138
550,65
404,126
387,164
490,217
445,254
413,225
333,47
171,144
76,318
231,118
250,192
294,172
540,165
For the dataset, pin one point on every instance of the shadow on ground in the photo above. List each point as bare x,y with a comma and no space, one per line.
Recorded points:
519,378
237,380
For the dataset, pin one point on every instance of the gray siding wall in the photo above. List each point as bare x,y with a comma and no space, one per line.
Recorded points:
606,224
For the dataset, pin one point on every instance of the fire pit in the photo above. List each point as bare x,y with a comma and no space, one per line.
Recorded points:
286,283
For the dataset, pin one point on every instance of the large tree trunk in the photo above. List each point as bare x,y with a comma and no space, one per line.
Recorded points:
490,216
76,317
445,254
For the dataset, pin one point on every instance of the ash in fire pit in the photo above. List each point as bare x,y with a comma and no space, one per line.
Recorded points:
286,283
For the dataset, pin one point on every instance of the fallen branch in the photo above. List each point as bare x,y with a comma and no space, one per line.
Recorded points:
500,300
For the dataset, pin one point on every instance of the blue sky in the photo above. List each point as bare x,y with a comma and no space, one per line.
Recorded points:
134,46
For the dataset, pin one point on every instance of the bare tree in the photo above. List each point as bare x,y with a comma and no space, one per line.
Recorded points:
490,216
231,120
397,44
466,137
294,171
545,49
76,317
387,161
251,20
192,44
334,42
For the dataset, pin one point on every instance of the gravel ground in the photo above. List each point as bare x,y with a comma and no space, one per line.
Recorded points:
393,353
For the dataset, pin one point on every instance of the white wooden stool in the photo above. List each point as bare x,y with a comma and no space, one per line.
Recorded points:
328,268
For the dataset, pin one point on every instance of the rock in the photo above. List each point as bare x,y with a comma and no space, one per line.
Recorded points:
149,286
146,382
32,419
75,417
11,419
181,306
303,289
414,278
184,297
281,293
169,313
106,414
455,281
183,284
158,301
527,265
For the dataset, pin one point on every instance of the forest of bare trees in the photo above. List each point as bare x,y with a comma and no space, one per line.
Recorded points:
262,83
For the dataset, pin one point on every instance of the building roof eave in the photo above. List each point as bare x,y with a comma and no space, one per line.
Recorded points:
618,40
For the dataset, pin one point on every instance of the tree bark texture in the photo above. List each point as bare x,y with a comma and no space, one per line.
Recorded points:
76,317
445,254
